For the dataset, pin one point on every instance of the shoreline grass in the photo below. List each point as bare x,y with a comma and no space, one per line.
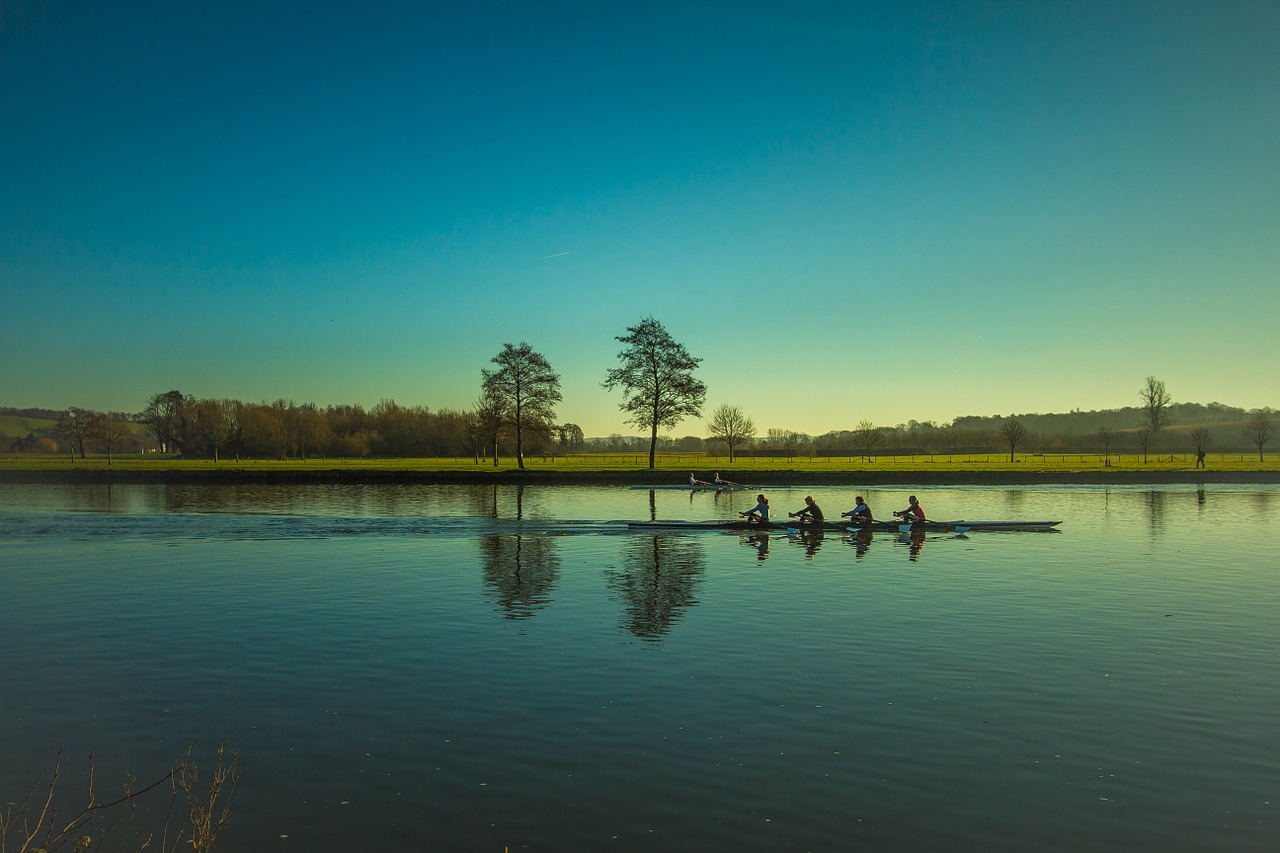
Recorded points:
673,467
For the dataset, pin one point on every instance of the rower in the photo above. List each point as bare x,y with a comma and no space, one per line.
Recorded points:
720,482
861,514
811,512
759,513
913,513
694,481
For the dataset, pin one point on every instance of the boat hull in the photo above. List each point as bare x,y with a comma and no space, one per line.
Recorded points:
884,526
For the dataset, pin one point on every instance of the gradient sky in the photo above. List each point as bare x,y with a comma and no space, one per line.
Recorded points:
880,211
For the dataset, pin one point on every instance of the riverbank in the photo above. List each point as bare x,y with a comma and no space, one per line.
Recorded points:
213,475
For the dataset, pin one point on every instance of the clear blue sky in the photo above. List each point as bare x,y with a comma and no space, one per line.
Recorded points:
850,211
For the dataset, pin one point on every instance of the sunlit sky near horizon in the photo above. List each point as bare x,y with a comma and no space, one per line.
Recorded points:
850,211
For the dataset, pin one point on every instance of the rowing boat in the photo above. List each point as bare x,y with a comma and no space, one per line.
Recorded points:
920,526
701,487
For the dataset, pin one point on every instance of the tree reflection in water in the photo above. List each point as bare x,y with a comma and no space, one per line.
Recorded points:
657,582
520,572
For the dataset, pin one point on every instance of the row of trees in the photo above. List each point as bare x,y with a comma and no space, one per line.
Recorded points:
515,414
1155,418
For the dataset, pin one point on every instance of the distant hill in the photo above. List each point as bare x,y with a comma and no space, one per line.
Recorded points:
1081,423
40,414
16,426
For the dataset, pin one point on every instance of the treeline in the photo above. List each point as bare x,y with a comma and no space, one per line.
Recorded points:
189,426
1081,423
218,428
283,430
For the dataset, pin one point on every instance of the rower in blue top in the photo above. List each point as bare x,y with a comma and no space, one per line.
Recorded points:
758,514
860,515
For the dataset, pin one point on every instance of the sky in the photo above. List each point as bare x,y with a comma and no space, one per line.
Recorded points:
849,211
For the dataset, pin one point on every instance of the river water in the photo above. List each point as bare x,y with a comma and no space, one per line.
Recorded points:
493,668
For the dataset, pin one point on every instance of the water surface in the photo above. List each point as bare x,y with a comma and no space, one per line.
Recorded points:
500,667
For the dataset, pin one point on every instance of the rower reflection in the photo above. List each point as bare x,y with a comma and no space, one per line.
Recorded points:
760,541
914,542
861,541
810,539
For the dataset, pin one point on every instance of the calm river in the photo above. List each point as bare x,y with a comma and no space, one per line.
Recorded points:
493,668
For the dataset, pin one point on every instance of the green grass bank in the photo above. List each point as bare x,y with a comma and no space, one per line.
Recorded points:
671,469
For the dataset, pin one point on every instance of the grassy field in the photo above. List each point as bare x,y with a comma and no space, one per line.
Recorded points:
16,427
703,465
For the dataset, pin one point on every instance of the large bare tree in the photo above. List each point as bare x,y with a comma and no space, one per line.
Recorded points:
77,424
867,435
528,389
111,431
1013,431
1259,430
657,381
1155,404
730,425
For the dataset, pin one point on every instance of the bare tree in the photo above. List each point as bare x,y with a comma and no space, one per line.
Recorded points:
1259,430
1142,439
1107,436
111,431
730,425
1013,431
214,424
867,435
657,381
528,389
484,425
1155,403
77,424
